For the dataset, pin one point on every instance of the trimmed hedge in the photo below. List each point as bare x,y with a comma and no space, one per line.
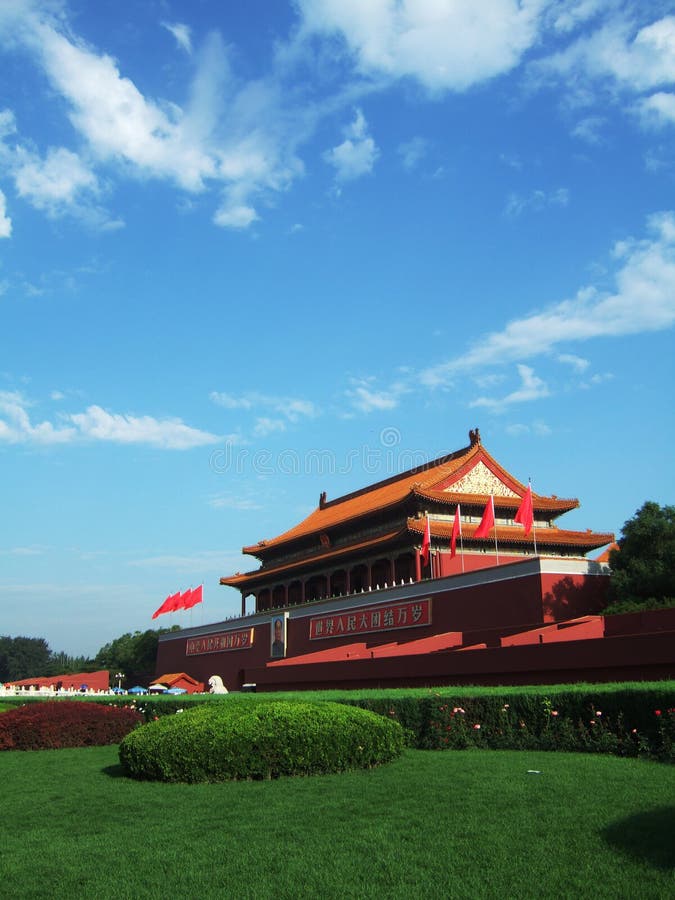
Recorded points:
624,723
259,740
65,723
637,718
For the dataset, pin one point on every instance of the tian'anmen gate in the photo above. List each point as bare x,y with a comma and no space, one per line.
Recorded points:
372,538
451,572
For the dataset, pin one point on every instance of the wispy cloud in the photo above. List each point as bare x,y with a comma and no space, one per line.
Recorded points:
413,152
578,363
229,501
291,409
531,388
196,563
364,395
535,201
181,33
643,300
5,221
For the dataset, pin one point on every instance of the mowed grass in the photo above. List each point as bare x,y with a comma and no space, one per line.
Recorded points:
433,824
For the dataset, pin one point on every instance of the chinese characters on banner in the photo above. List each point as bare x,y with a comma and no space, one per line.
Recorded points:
215,643
369,619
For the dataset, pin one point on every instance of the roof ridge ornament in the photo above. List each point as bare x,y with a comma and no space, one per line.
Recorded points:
474,436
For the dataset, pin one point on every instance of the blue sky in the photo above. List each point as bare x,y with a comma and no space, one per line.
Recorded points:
253,251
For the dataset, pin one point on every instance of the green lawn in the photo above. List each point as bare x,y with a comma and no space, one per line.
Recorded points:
433,824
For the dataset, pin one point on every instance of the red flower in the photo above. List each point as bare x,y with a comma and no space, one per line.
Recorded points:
657,712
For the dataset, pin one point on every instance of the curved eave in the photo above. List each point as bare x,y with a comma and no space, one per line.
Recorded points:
539,503
583,541
247,579
260,550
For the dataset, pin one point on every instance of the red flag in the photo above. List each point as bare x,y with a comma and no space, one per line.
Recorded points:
525,515
456,530
487,522
426,543
171,604
193,597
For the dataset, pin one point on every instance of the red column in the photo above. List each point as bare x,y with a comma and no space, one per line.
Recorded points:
418,566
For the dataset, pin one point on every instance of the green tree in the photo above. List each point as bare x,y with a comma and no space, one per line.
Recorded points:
133,654
643,569
23,657
63,664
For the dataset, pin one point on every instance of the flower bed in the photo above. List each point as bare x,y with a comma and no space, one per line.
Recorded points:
65,723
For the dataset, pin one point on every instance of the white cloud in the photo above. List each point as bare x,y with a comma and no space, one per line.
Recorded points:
170,434
16,427
536,201
413,152
638,61
61,183
531,388
230,402
566,15
53,181
539,429
227,501
589,130
643,300
265,425
181,33
291,408
95,424
575,362
238,138
5,221
366,398
443,44
235,216
198,561
658,109
356,155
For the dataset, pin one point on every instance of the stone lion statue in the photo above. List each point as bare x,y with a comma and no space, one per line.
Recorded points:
216,685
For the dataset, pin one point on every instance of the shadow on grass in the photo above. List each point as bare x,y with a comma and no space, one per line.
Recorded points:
647,837
114,771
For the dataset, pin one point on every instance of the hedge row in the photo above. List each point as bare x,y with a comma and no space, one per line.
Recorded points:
629,723
65,723
259,740
635,719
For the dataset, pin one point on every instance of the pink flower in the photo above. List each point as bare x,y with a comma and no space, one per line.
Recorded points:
554,712
476,727
598,713
657,712
592,721
633,731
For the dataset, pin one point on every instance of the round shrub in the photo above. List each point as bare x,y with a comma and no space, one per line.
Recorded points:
65,723
256,740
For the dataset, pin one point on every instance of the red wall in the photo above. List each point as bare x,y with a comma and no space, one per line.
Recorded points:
512,598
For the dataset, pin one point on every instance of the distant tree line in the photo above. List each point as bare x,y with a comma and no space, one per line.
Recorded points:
133,655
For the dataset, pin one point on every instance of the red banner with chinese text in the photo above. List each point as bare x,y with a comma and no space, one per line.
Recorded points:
216,643
411,614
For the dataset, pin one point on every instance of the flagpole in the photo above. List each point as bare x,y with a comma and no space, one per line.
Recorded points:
492,501
534,527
